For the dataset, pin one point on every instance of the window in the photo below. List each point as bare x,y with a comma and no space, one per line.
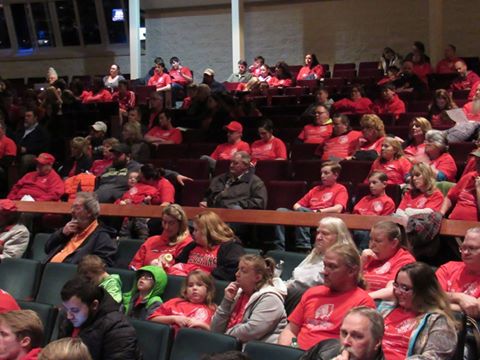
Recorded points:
116,16
4,38
43,24
89,21
21,26
67,23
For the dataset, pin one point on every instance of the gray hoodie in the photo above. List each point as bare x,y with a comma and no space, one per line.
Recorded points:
263,320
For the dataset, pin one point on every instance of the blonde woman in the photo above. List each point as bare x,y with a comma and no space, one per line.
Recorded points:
65,349
309,272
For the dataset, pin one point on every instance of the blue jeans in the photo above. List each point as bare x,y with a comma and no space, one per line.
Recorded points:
302,233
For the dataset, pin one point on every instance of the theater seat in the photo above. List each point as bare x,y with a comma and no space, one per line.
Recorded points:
461,150
303,151
37,247
20,277
272,170
354,171
47,313
194,168
191,344
290,259
169,151
283,194
54,276
306,170
155,339
172,290
127,248
128,277
192,192
258,350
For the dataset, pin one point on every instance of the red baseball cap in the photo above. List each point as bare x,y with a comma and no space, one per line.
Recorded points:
7,205
234,126
45,159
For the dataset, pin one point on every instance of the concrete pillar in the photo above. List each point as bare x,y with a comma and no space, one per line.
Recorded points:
134,38
238,42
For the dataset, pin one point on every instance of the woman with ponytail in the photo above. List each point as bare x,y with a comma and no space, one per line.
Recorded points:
252,308
386,254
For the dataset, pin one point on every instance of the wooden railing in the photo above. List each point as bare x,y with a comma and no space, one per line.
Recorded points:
257,217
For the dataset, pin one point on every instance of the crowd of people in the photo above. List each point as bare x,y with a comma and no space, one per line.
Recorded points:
361,295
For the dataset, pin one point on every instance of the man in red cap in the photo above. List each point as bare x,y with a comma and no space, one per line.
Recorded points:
226,150
14,237
44,184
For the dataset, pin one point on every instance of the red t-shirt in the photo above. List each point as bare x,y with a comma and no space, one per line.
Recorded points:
447,66
465,83
382,205
396,170
102,96
166,192
468,110
471,94
376,145
7,147
470,166
306,72
137,193
159,81
446,164
347,106
225,151
173,134
199,258
125,102
399,325
182,307
320,312
48,187
422,201
271,150
416,154
316,134
7,302
378,273
276,82
422,70
178,78
395,106
464,196
238,311
321,197
156,246
455,277
342,146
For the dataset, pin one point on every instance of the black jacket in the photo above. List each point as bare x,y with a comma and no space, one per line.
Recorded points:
227,258
247,192
328,349
83,164
36,142
99,243
107,334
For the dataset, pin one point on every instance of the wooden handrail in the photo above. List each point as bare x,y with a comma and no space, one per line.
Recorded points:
256,217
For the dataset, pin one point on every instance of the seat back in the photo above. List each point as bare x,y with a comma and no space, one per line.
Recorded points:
46,313
154,339
192,192
54,276
127,277
126,250
37,247
283,194
20,277
290,261
191,344
174,285
194,168
220,286
258,350
354,171
272,170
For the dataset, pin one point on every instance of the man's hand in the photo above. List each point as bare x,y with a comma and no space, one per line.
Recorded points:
70,228
181,179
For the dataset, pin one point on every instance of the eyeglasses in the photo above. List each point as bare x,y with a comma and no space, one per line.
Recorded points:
472,250
402,288
320,112
146,276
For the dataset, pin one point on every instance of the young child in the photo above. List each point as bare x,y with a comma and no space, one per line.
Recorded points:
378,202
144,298
194,308
329,197
93,268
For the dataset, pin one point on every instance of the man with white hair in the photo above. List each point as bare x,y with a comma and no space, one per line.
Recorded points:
461,279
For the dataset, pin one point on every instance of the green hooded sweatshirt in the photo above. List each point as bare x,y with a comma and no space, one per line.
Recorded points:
152,299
